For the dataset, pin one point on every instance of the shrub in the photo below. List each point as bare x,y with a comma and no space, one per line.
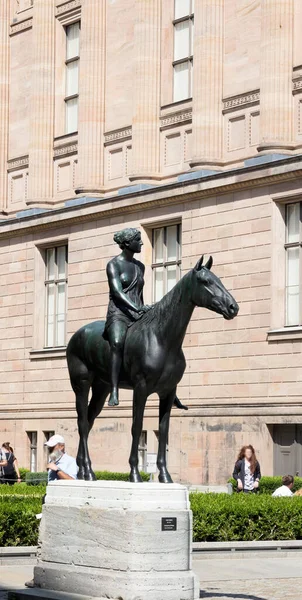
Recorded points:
36,478
223,518
23,473
269,484
18,523
108,475
21,490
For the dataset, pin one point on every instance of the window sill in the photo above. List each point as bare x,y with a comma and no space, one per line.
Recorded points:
46,353
284,334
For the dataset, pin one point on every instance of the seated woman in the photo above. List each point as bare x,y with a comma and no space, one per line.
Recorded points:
126,305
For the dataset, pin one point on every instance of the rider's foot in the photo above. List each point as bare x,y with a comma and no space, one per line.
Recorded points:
113,400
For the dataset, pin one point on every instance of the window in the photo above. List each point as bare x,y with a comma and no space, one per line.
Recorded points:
72,76
33,439
56,296
142,451
183,49
47,436
293,248
166,262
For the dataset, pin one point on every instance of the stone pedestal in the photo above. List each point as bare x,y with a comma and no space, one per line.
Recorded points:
117,540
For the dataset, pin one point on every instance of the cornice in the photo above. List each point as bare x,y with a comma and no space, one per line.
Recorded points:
21,162
21,26
118,135
65,150
176,118
241,100
64,7
297,84
163,196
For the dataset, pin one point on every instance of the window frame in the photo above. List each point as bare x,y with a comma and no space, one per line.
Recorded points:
33,450
186,59
165,263
55,281
288,245
68,61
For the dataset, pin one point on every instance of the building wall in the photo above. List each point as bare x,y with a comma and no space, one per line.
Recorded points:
223,164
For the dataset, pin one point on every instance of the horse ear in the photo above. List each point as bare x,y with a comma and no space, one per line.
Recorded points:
199,264
209,263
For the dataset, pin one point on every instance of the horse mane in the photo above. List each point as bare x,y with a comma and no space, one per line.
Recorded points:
160,308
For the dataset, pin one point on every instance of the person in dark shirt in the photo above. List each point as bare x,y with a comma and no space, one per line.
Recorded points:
10,472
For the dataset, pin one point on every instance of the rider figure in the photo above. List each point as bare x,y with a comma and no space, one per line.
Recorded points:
126,305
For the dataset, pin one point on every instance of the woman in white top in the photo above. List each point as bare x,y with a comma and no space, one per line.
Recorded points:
247,470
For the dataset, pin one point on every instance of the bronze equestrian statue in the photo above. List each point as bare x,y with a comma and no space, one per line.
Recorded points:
139,347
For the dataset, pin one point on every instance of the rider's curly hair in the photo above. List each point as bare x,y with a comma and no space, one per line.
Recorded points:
125,235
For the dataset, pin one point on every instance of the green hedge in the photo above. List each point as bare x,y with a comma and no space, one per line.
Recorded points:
269,484
216,517
225,518
18,523
108,475
38,478
22,490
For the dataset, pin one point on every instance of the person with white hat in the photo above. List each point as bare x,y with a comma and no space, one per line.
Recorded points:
61,465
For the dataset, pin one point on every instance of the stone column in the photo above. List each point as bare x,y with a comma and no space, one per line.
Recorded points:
145,126
4,98
207,121
90,177
42,105
276,100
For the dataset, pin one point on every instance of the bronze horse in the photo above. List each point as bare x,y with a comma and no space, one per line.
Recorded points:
153,362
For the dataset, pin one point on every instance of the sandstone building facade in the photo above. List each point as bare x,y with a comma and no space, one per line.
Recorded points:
182,118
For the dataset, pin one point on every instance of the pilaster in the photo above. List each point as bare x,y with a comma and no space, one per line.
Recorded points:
42,107
207,116
4,98
276,100
145,126
90,178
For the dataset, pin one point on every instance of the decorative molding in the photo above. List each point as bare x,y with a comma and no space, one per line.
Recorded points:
22,26
297,84
241,100
181,116
118,135
66,150
21,162
68,6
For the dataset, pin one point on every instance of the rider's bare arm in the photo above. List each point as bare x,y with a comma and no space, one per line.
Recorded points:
116,287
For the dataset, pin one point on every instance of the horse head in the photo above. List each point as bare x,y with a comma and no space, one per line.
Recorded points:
209,292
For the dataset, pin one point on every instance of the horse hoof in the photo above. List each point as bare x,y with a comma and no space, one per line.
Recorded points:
113,400
165,477
135,477
90,476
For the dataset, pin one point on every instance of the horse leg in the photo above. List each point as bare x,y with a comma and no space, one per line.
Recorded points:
81,379
139,403
165,405
100,391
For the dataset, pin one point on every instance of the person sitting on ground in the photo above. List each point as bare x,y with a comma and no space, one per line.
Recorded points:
286,488
11,471
247,470
60,465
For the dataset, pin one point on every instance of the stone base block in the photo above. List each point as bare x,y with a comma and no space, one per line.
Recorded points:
117,540
118,585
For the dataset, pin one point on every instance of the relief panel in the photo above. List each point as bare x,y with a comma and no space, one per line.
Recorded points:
172,149
236,133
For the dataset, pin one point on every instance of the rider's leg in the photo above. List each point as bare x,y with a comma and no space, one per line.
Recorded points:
116,335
